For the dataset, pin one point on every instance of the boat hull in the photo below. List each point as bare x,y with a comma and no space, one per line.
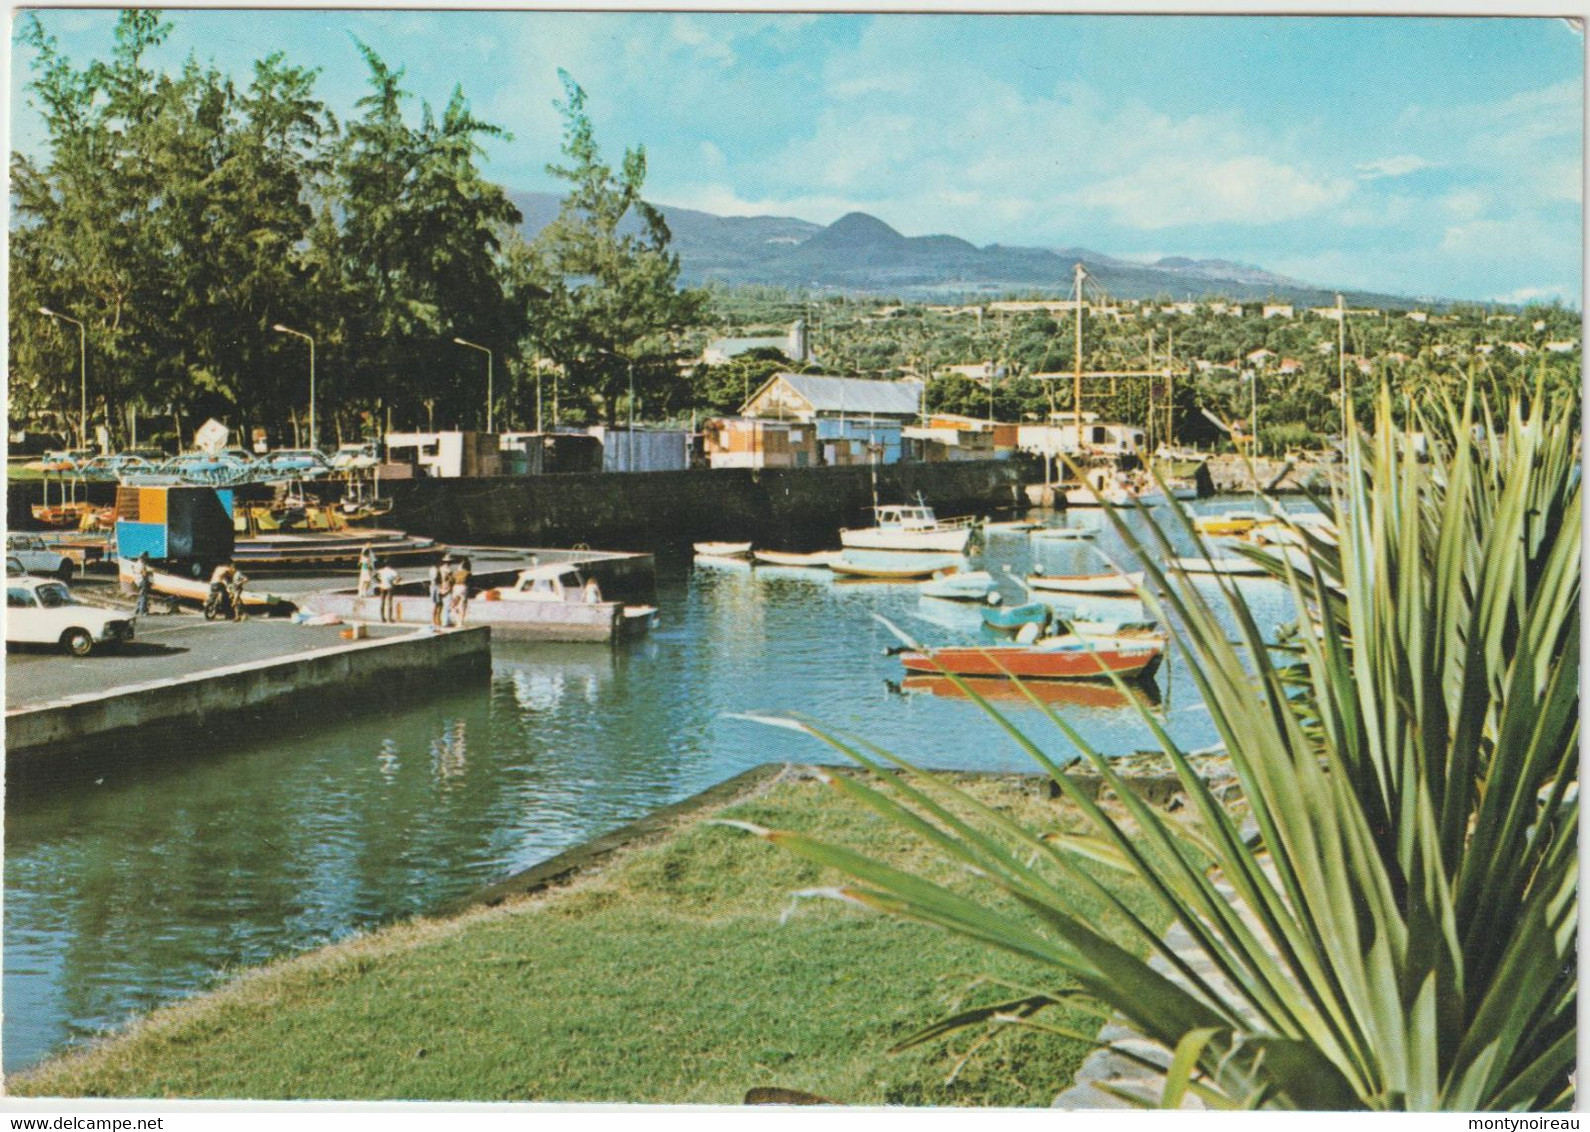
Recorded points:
974,586
198,589
1013,617
722,549
821,560
1036,663
1117,584
896,566
1233,566
952,541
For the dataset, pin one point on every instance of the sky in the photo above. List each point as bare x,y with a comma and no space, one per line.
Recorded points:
1434,157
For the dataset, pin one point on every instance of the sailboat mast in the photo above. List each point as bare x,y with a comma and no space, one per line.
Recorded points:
1076,390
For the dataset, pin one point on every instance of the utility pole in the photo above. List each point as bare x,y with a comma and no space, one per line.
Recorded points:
1076,391
1341,360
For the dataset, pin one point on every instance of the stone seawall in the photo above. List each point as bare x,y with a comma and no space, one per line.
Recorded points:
780,508
784,508
192,710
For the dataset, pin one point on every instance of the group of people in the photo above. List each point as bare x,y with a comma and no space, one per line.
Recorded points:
449,588
226,590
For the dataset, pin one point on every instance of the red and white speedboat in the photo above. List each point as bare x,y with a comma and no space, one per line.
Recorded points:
1054,658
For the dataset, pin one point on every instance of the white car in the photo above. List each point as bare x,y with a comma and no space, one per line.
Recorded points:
42,611
37,558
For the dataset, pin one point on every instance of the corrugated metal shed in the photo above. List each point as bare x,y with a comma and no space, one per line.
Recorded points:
847,395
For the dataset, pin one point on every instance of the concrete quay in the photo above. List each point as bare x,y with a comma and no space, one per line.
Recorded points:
185,681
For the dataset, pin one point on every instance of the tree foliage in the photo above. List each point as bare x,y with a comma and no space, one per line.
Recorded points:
613,303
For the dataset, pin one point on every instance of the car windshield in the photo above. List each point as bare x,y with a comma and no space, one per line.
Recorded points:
54,595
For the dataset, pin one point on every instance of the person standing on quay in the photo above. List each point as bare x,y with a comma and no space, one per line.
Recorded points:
460,592
366,571
234,593
143,581
386,581
438,585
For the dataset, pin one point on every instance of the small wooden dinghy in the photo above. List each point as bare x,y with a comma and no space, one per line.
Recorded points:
723,549
894,566
1227,565
822,559
1111,583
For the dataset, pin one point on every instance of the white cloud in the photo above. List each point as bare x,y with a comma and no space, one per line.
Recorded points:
1174,191
1398,166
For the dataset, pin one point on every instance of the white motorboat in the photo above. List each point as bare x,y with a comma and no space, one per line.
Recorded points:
910,527
974,585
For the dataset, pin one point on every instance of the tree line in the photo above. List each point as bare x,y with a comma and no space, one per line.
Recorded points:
200,227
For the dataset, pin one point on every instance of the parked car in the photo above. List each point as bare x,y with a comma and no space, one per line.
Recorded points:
41,611
35,557
14,566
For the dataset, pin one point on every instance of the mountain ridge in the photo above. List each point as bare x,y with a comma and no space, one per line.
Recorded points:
860,253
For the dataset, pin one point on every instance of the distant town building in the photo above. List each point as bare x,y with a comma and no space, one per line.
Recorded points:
1518,348
643,449
793,346
1417,316
740,442
948,437
1096,436
1289,365
1261,357
1561,347
851,414
977,371
1277,310
446,455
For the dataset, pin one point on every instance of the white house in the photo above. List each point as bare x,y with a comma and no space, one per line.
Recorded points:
793,345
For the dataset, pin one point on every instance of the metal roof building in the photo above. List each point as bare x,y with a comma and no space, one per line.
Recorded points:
805,396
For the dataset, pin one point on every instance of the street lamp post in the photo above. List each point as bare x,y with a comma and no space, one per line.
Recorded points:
280,329
82,373
483,350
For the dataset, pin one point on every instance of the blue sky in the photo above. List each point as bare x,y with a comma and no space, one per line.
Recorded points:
1421,156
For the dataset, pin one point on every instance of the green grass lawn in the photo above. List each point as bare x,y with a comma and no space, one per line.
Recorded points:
683,971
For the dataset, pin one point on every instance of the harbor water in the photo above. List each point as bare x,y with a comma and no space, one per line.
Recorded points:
174,869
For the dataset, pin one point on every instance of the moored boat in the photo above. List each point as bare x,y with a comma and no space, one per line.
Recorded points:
1075,693
1010,618
821,559
1227,522
973,585
722,549
1010,526
1053,658
1226,565
1064,534
893,565
1108,583
906,527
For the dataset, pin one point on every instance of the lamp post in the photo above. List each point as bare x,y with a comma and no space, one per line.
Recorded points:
82,372
483,350
280,329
